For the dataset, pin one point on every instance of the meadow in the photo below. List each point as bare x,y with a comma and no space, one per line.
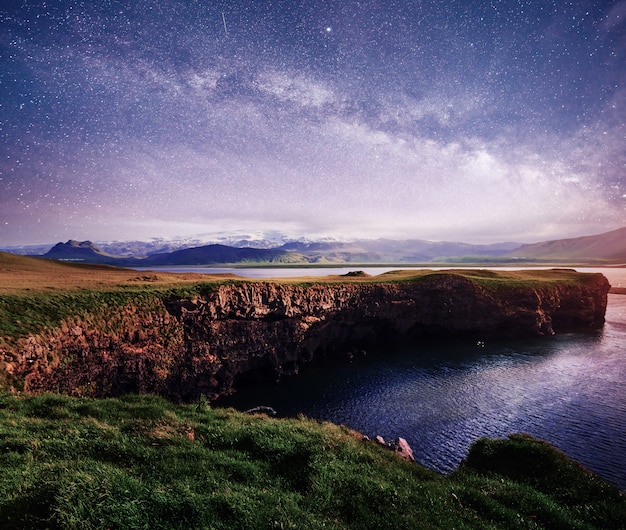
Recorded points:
142,462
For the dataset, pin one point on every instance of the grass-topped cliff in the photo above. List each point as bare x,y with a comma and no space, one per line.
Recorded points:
38,293
100,331
141,462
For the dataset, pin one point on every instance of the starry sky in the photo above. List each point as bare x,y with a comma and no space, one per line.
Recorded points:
459,120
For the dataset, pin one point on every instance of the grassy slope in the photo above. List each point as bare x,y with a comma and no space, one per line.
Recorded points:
610,246
141,462
21,275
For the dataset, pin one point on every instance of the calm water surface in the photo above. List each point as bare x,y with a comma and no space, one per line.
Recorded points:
569,389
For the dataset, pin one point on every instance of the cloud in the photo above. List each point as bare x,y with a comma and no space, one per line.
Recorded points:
250,161
348,178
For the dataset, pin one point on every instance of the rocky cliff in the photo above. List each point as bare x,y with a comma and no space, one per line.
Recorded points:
184,347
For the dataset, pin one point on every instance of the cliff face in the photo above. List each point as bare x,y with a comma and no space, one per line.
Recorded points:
185,347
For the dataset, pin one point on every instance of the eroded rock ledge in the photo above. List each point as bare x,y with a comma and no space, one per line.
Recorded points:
203,345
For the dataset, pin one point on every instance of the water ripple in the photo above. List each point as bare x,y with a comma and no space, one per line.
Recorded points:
568,389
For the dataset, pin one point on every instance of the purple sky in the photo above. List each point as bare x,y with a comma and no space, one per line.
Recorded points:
470,121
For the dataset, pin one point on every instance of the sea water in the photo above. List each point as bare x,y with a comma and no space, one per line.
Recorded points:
568,389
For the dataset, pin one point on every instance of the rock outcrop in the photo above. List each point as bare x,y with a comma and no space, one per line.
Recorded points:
207,344
399,446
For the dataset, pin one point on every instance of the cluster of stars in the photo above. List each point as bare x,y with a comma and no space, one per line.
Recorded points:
481,120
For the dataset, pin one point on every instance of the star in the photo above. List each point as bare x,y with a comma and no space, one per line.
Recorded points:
428,120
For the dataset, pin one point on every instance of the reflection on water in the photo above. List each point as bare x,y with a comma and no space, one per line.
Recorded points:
568,389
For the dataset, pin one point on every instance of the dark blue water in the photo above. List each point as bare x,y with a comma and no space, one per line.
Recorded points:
567,389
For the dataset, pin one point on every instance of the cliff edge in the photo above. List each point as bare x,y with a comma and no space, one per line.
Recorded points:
184,346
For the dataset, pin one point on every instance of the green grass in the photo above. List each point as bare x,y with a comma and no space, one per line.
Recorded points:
30,313
23,315
502,281
142,462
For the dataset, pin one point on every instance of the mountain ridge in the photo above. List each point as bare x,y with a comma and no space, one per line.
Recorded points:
606,248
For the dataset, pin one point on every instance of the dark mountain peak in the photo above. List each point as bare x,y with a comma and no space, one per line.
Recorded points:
78,244
74,250
216,253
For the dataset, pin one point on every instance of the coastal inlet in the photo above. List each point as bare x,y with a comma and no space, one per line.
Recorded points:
443,394
224,334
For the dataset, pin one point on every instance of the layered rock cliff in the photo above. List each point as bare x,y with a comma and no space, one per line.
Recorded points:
184,347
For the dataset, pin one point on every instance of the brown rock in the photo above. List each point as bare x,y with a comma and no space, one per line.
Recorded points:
209,343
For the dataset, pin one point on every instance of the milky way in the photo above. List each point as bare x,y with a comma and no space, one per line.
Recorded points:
478,121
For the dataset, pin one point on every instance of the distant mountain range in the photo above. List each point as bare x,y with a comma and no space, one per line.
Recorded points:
393,251
293,253
607,248
610,246
87,252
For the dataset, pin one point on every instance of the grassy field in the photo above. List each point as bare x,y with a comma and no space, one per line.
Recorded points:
36,294
142,462
24,275
21,275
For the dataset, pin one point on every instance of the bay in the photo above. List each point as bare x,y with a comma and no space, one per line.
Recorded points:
569,389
